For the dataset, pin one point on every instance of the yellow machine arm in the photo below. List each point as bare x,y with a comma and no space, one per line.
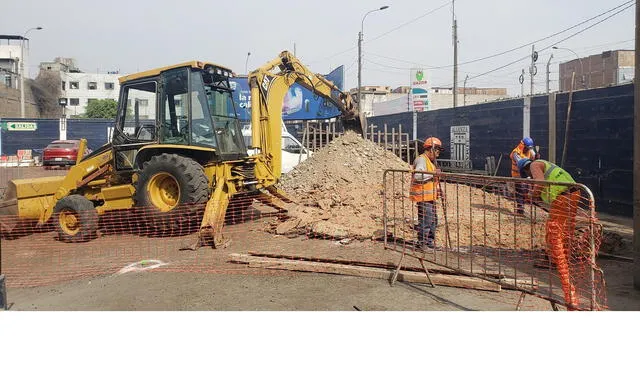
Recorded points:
269,85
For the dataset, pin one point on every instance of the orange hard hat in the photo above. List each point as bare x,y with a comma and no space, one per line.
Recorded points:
432,142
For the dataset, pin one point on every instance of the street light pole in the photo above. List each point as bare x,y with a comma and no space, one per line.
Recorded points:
24,36
360,35
246,63
548,63
579,59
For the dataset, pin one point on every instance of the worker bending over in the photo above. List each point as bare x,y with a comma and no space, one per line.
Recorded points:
524,150
424,192
563,206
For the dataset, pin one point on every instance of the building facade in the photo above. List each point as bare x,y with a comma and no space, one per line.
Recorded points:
11,50
399,99
613,67
80,88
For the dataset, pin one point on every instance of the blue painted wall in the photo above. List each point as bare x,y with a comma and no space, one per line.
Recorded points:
94,130
600,144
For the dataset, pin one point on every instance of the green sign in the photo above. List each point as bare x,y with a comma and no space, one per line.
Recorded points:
419,75
19,126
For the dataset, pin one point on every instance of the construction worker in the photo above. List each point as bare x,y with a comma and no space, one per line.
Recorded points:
424,192
524,150
562,201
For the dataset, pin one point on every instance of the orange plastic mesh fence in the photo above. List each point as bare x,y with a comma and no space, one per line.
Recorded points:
488,227
351,224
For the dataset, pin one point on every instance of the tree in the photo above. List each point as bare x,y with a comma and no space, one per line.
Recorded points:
101,108
46,91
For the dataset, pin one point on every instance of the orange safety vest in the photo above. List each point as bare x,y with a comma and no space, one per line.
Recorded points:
424,191
517,154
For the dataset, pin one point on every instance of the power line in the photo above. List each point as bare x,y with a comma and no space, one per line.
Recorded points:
557,42
411,21
516,48
384,34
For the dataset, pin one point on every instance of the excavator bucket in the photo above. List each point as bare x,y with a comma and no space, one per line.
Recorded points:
353,124
24,201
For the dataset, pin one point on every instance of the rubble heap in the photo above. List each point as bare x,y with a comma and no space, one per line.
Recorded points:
339,194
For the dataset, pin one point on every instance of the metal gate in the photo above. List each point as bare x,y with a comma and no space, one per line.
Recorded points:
549,253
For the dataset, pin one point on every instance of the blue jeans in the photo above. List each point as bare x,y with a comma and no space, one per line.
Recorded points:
427,222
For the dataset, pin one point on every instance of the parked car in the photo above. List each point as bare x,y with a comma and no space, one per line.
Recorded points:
61,153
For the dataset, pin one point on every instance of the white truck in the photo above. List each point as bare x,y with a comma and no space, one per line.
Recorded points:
293,153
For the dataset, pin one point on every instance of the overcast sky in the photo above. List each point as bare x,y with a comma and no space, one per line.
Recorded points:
137,35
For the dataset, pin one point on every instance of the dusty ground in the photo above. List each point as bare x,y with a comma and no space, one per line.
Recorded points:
205,280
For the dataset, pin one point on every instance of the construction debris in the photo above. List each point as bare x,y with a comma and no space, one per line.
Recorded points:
339,191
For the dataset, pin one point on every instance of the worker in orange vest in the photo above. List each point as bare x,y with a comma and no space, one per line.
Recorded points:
562,201
424,192
524,150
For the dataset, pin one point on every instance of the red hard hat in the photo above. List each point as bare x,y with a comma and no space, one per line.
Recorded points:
430,142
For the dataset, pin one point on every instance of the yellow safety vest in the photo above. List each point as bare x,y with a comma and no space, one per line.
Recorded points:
556,174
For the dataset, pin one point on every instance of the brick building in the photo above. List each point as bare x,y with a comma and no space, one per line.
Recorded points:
613,67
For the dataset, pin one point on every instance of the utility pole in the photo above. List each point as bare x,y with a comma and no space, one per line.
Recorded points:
464,91
455,54
360,34
359,70
548,80
636,161
533,69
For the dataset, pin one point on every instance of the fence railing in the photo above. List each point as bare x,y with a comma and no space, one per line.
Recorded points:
315,137
487,231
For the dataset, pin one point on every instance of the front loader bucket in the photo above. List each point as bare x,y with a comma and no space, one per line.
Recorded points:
353,124
25,201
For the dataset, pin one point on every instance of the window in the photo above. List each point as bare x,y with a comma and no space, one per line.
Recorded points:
139,124
74,101
91,100
74,85
7,80
64,85
92,85
108,86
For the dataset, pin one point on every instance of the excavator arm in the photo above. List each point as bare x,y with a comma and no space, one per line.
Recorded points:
269,85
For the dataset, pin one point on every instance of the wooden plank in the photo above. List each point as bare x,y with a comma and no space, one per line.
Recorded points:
366,272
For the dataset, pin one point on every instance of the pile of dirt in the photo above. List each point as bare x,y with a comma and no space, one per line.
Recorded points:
339,190
340,195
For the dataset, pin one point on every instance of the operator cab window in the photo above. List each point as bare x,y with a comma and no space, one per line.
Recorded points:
175,107
139,124
136,124
222,109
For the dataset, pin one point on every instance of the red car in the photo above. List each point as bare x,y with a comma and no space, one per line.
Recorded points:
62,153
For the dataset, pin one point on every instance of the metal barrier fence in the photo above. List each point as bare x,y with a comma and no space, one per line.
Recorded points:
547,253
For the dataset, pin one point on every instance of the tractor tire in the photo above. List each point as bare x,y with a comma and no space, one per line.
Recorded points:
170,188
76,219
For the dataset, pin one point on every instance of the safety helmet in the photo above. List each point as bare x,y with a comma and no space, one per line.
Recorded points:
432,142
528,142
522,163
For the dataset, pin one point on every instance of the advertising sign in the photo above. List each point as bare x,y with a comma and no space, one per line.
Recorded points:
420,90
299,103
19,126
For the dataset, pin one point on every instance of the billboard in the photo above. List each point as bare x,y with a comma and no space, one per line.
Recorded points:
299,103
420,90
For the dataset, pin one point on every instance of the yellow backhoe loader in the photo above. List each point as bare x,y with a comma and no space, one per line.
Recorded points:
176,143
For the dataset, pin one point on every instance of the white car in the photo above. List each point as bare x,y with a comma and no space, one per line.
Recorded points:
293,153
